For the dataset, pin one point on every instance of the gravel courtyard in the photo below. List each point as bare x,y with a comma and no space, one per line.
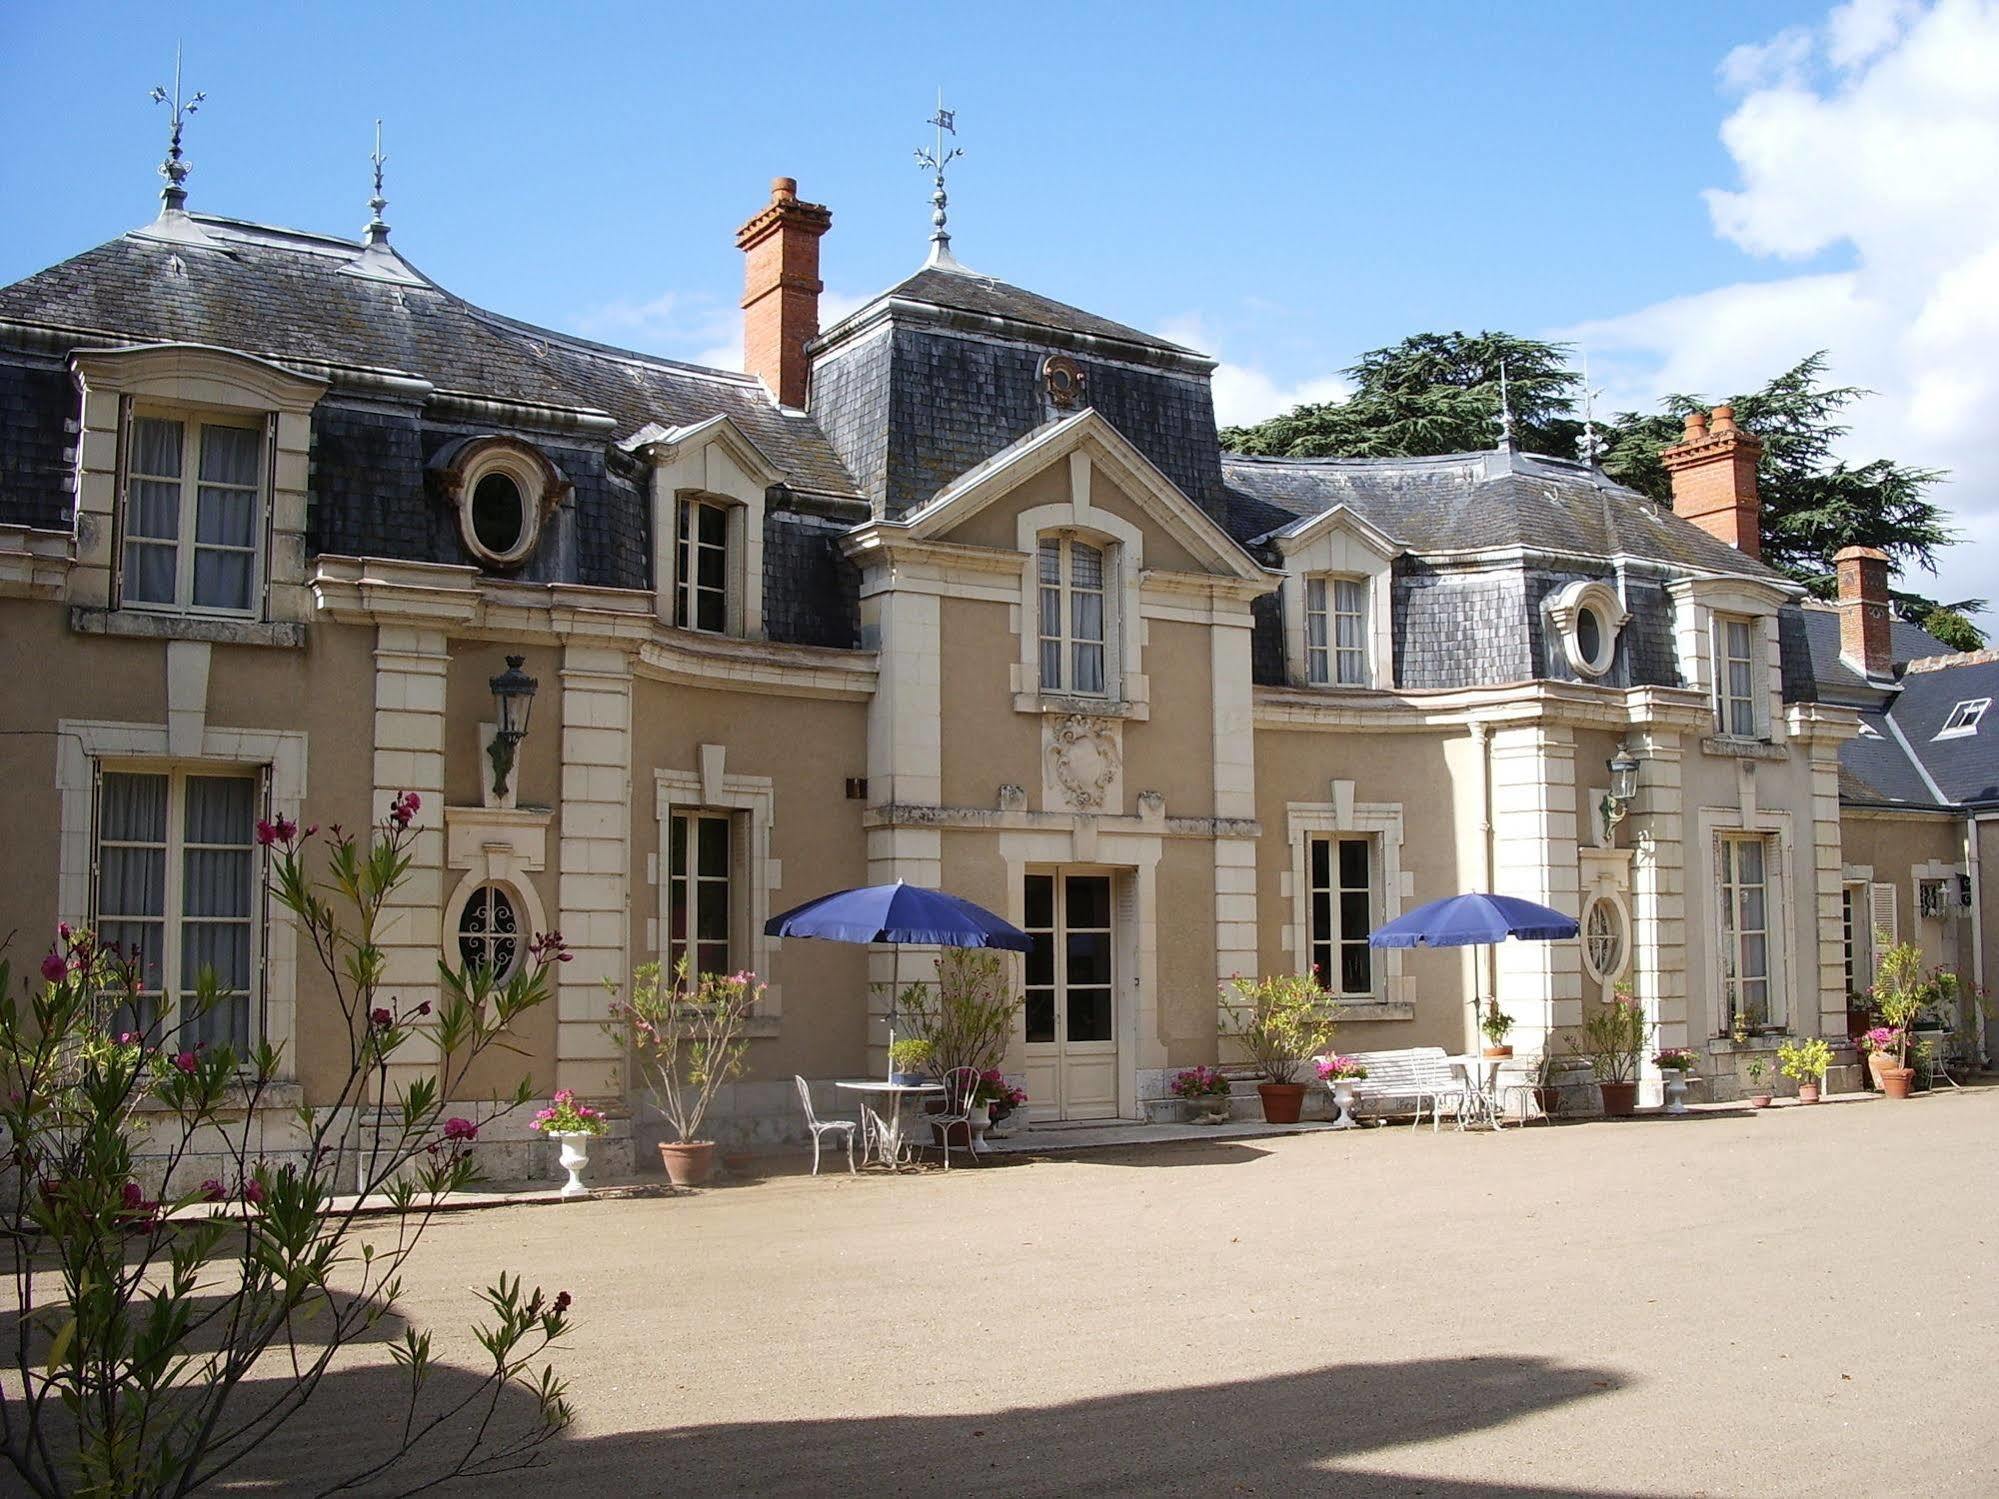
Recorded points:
1726,1304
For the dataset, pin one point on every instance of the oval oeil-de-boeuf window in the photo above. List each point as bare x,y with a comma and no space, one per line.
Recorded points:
499,515
1589,635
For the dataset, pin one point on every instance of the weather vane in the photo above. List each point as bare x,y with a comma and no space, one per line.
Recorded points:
1505,412
174,196
378,228
1589,446
935,161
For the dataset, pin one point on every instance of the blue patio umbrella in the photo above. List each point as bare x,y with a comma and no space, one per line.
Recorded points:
899,913
1474,920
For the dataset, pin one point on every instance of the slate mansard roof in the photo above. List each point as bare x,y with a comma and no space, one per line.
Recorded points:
287,295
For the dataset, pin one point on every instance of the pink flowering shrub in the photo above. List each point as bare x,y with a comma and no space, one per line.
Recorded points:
994,1089
144,1316
1334,1068
565,1116
687,1031
1200,1082
1676,1059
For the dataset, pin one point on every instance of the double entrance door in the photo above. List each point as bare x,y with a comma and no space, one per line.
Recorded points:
1071,1015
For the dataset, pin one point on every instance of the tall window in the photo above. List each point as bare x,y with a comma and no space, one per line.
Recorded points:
1745,930
698,897
1735,676
1336,631
193,514
176,877
701,586
1072,616
1341,872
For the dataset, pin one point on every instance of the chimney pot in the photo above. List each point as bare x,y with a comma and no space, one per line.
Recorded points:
781,287
1865,621
1714,480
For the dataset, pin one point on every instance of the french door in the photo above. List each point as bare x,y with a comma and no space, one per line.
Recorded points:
1071,1015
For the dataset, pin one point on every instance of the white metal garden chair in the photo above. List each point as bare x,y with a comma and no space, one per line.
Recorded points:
961,1087
823,1127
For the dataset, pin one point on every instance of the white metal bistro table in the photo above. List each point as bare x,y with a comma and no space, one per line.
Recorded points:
1479,1103
885,1139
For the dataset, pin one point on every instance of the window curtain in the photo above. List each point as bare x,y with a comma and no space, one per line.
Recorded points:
217,902
152,512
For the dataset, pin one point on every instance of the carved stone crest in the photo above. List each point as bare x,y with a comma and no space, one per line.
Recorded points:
1084,760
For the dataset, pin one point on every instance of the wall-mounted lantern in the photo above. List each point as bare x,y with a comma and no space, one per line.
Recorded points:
513,700
1623,787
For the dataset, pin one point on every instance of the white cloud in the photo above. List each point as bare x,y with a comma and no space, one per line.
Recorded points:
1244,393
1879,139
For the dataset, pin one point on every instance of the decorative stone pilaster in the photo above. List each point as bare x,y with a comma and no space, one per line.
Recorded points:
1656,831
594,861
410,668
1234,753
1535,857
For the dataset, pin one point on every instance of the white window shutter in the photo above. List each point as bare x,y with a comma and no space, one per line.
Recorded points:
1881,913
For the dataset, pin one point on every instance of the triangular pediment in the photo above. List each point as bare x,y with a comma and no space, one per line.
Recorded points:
1135,475
1341,519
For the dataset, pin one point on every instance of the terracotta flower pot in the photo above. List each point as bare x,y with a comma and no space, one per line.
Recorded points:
1499,1051
1620,1100
1547,1100
689,1163
1759,1100
1282,1102
1808,1092
1878,1062
1896,1081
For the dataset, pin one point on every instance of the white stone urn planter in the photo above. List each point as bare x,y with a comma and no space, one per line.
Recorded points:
1676,1090
574,1157
1343,1102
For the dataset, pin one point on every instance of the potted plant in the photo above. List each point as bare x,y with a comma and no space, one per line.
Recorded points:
1879,1042
908,1059
1904,994
575,1125
1676,1065
1613,1038
1738,1028
1495,1025
687,1033
1001,1098
1281,1021
1759,1096
1206,1093
1340,1074
1805,1063
966,1015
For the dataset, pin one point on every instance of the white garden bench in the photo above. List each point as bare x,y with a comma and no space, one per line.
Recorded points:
1422,1075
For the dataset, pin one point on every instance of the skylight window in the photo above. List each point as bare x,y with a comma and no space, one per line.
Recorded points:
1963,720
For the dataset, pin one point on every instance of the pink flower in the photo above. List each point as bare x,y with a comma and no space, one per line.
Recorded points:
253,1192
212,1191
132,1194
424,1008
186,1061
403,810
55,968
460,1129
563,1301
382,1018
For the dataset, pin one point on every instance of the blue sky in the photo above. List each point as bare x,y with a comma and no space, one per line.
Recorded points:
1286,185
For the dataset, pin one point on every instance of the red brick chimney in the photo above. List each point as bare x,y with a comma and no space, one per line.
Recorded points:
781,288
1863,610
1714,479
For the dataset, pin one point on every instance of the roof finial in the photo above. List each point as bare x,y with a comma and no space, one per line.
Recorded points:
377,232
1589,446
935,161
1505,413
173,197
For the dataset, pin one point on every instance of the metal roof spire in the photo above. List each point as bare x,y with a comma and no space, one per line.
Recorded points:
377,232
173,197
1589,447
1505,413
935,161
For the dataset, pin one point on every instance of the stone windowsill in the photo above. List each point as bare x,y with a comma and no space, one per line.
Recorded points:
1087,707
1728,748
1354,1011
139,624
281,1093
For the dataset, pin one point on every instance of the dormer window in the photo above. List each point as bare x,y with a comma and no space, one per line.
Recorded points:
701,570
1587,616
194,514
503,489
1072,616
1735,677
1336,631
1964,719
